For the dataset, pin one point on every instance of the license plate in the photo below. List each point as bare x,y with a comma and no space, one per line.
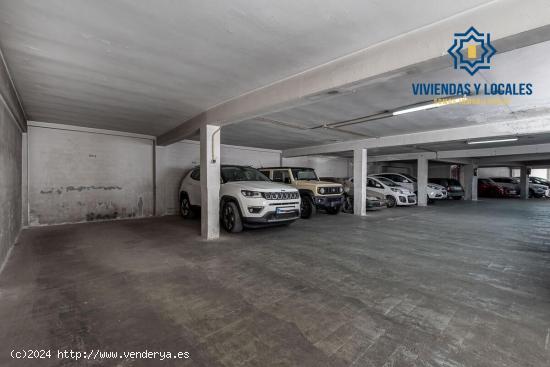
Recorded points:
284,210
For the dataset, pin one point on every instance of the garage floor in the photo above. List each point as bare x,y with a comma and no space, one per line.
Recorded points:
455,284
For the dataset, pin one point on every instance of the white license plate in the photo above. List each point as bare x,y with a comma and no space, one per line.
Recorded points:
284,210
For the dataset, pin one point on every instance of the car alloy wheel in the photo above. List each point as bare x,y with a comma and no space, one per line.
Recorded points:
185,207
231,217
228,217
390,201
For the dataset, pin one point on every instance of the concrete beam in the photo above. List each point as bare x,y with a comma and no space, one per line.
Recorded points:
9,96
414,156
492,130
360,182
210,182
511,26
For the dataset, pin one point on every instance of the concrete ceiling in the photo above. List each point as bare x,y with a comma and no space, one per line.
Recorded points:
292,128
146,66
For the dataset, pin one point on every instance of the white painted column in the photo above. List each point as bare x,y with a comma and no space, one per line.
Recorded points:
210,182
474,183
469,181
422,181
524,182
360,182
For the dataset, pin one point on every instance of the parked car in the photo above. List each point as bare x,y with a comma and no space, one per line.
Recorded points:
395,195
247,198
434,191
374,200
315,194
488,188
453,187
535,190
510,187
541,181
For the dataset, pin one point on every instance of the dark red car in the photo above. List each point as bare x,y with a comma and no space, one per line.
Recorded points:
488,188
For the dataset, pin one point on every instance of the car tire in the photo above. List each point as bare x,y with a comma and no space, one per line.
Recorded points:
186,210
307,208
430,201
334,210
390,201
231,217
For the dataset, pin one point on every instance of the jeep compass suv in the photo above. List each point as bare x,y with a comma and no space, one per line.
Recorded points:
247,198
314,192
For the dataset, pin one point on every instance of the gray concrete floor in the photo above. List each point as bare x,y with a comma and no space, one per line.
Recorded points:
454,284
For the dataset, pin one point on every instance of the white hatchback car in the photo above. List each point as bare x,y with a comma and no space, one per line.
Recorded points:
247,198
434,191
395,194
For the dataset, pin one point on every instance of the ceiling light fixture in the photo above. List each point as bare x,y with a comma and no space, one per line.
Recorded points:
429,106
491,141
382,115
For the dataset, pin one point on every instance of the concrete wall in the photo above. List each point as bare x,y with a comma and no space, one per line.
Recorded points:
493,172
175,160
394,167
77,176
324,166
12,125
10,181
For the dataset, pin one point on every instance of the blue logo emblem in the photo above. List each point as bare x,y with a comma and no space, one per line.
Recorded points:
472,51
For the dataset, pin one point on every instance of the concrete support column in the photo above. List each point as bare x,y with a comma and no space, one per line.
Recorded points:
422,182
474,183
524,183
470,181
360,182
210,182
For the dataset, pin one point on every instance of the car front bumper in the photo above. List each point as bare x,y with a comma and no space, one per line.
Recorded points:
373,204
406,199
272,218
328,201
437,195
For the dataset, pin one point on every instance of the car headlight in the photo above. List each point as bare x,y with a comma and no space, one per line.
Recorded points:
321,190
251,194
394,189
340,189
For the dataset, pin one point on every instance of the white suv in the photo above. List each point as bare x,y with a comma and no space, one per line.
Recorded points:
247,198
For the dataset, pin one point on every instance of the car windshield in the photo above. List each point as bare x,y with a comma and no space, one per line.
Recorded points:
304,174
387,181
413,179
236,173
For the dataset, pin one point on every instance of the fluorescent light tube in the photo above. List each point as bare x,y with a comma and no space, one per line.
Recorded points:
414,109
491,141
443,102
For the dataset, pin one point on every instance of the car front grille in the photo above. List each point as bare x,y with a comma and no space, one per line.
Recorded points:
280,195
331,190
